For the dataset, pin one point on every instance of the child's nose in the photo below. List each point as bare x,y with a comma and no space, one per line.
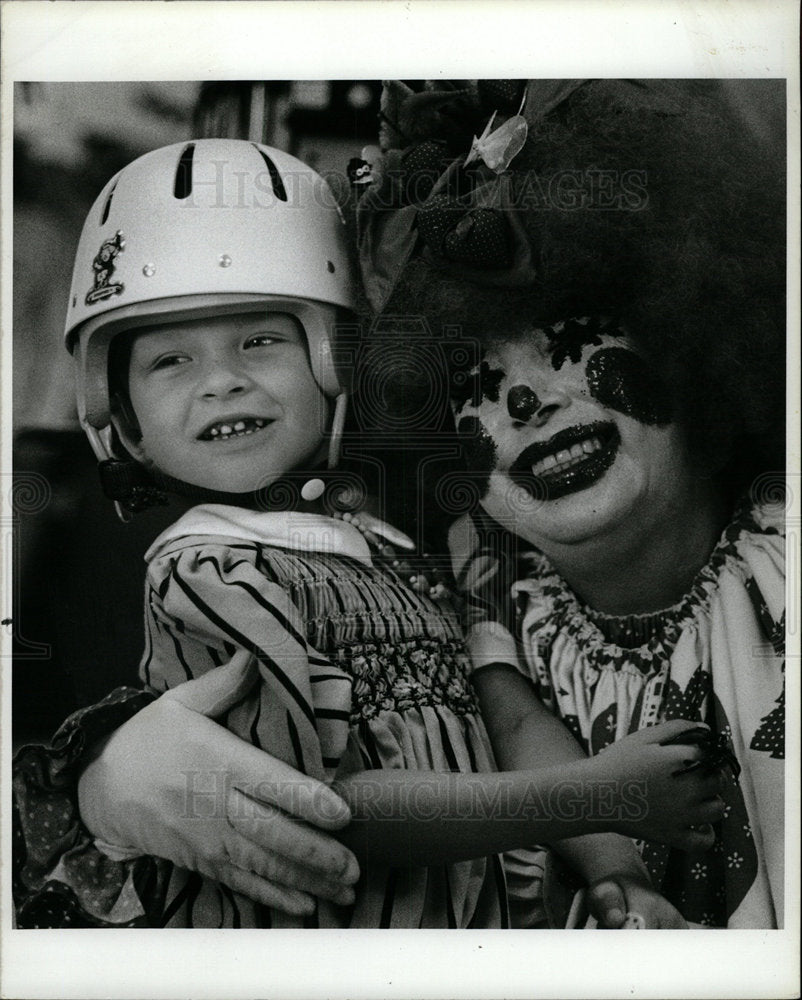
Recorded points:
223,381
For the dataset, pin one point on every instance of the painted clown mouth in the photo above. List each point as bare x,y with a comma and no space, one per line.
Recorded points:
570,461
236,427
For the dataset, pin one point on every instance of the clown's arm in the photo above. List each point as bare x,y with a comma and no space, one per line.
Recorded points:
525,734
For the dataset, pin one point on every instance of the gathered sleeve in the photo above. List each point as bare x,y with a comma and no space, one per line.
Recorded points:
213,600
60,877
206,604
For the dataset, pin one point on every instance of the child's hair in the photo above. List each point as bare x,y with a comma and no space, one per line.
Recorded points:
664,211
119,372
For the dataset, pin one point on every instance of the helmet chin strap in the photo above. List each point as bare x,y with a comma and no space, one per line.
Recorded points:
135,488
337,428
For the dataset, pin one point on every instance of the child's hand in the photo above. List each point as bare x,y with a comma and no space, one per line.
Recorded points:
611,898
657,799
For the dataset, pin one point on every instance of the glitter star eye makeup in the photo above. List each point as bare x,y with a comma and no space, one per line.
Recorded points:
567,340
480,451
489,381
476,386
621,380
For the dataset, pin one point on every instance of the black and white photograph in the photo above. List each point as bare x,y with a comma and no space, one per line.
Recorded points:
399,470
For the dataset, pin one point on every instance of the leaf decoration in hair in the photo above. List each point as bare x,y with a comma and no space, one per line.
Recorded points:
498,149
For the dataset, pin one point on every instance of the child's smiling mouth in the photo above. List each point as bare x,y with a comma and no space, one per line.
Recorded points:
224,430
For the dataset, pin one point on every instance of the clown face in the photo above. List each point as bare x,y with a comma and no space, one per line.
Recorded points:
570,433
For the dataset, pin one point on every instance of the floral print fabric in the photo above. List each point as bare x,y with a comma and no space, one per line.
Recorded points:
716,657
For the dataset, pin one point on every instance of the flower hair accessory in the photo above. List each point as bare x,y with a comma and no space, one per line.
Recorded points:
497,149
446,180
440,191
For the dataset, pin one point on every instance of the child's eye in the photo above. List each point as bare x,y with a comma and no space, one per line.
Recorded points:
169,361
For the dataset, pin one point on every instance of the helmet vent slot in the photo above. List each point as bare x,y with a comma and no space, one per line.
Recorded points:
107,205
183,174
275,177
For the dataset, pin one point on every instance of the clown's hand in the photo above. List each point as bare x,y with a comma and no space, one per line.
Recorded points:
174,784
612,898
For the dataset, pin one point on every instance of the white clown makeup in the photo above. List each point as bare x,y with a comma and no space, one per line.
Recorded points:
565,428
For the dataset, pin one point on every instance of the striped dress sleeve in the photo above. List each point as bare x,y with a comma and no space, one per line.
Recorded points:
212,598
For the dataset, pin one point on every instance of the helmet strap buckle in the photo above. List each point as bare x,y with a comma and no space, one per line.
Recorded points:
130,486
337,428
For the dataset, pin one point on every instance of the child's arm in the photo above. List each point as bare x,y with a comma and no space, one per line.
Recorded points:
407,818
524,733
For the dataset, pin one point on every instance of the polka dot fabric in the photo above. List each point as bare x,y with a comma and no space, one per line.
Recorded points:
714,657
60,879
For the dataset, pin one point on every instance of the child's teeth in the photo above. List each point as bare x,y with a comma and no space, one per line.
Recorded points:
248,425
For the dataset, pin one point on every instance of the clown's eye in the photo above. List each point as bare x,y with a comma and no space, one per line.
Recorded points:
567,340
464,388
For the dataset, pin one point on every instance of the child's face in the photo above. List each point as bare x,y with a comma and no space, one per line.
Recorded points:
228,403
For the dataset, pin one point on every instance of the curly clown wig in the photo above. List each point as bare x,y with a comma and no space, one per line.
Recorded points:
504,204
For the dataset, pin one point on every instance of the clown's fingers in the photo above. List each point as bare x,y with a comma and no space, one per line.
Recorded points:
277,833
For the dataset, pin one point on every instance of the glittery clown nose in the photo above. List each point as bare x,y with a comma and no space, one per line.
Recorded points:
522,402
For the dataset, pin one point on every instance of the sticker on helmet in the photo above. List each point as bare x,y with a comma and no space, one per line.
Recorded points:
359,171
103,266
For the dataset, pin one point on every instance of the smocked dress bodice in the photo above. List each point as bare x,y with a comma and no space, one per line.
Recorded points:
355,671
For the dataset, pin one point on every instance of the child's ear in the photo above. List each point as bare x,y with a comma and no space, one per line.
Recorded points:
127,426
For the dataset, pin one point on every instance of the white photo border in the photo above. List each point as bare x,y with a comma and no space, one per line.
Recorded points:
214,40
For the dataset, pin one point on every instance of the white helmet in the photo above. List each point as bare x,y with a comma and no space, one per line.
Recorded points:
198,228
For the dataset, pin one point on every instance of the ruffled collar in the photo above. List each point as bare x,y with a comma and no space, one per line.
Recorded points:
281,529
650,633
